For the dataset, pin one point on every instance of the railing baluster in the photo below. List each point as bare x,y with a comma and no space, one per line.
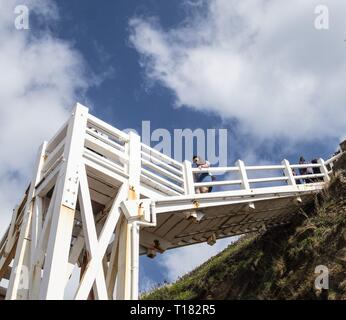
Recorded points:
243,174
324,170
289,173
188,177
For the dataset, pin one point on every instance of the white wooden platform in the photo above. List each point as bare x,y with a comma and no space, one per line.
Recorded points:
99,198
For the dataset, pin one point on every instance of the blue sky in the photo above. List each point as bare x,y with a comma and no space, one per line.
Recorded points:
154,60
101,34
124,98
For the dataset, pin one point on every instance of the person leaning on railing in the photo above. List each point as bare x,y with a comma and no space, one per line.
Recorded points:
306,171
202,176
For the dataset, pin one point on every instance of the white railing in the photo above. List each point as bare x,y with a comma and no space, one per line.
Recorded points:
108,147
284,175
161,173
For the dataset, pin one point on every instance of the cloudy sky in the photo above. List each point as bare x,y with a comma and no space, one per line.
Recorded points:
260,69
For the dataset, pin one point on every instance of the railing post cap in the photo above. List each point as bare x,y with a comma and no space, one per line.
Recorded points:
134,134
80,107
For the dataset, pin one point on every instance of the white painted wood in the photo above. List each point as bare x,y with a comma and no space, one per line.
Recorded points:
162,164
161,181
43,238
289,173
52,157
216,169
156,154
36,227
8,242
219,183
56,262
123,283
104,239
90,237
103,162
243,175
74,255
188,177
57,138
48,181
160,189
110,152
22,260
135,260
162,171
324,170
135,163
124,157
93,121
106,140
113,264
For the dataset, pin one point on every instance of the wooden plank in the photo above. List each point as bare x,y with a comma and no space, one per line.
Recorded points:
99,197
102,187
180,226
90,236
164,228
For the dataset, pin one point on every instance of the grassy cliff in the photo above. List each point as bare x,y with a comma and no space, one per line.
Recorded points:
280,263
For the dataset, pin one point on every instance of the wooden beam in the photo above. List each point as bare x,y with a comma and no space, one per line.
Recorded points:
56,261
90,235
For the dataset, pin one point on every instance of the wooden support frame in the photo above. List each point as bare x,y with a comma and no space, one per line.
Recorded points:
56,261
49,240
23,255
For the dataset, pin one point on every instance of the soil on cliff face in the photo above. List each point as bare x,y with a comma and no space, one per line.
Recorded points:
280,263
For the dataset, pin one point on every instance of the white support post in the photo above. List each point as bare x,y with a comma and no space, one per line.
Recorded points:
324,170
123,283
289,173
188,178
58,248
36,226
21,265
134,168
127,275
113,264
243,175
135,261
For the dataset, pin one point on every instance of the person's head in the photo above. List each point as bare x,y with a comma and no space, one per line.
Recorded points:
301,159
195,159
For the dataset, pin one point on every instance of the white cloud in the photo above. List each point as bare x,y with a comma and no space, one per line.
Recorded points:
261,62
183,260
40,79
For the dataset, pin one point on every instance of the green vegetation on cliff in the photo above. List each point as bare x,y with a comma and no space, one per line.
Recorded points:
280,263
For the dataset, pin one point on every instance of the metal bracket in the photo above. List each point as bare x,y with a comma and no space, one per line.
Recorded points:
196,204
